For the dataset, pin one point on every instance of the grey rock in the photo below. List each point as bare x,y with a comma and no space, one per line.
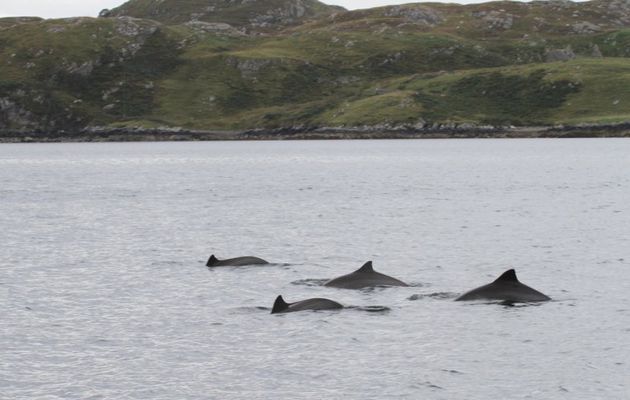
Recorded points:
348,79
289,14
133,27
585,28
84,69
416,14
215,27
553,55
56,29
12,114
495,20
619,6
248,67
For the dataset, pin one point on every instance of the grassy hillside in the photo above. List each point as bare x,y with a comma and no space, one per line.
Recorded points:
539,63
268,14
582,90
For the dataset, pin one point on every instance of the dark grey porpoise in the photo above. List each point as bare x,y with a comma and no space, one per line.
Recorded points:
364,277
281,306
506,288
235,262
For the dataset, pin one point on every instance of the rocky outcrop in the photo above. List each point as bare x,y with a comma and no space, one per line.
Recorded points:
133,27
287,14
31,109
83,69
217,28
565,54
248,67
13,116
495,20
415,14
585,28
618,12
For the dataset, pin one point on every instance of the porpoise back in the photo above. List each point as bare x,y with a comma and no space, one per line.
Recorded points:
281,306
508,288
234,262
364,277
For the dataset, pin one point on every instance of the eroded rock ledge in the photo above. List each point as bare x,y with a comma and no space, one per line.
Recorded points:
103,134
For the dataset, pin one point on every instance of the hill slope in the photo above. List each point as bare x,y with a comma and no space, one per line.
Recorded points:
545,62
261,15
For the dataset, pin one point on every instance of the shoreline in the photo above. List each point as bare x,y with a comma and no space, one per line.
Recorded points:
102,134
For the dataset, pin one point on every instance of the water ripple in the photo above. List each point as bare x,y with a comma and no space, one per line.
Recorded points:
104,293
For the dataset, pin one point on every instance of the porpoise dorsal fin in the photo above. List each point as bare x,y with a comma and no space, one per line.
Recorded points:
367,267
211,261
279,305
508,276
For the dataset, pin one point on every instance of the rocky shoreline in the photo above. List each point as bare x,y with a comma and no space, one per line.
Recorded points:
103,134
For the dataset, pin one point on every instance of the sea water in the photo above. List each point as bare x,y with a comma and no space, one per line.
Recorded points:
104,292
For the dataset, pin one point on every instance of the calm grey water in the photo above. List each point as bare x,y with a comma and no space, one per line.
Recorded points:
104,293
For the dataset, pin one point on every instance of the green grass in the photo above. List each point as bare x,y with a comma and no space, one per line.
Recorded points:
365,67
390,108
234,13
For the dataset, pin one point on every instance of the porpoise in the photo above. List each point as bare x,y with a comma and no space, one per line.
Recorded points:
364,277
281,306
235,262
507,288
